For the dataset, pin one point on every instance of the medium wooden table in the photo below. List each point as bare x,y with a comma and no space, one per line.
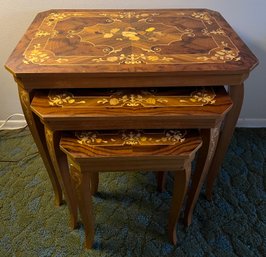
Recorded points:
131,49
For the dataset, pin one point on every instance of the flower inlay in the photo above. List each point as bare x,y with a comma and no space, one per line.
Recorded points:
131,137
144,98
130,38
131,99
59,98
139,35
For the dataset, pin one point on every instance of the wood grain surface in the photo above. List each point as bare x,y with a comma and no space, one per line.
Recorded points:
177,144
145,108
130,41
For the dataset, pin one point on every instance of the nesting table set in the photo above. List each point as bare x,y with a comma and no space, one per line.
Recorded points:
130,90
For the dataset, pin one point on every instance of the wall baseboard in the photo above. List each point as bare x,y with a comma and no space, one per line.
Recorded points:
251,123
242,123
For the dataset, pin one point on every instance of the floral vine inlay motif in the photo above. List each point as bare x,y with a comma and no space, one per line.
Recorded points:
202,16
130,137
129,15
131,99
202,96
59,98
173,135
90,137
129,38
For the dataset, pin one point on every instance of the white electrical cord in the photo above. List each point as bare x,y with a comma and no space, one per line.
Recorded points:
10,117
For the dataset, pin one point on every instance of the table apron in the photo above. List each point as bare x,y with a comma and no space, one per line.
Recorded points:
40,82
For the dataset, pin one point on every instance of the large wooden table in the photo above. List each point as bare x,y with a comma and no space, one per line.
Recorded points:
131,49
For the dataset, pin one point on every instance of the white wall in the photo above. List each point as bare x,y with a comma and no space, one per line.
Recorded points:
246,17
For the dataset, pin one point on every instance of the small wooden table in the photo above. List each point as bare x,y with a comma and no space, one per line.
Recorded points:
131,49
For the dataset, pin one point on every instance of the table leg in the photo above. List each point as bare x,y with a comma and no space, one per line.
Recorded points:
94,182
83,190
205,155
179,191
236,93
37,131
62,171
161,179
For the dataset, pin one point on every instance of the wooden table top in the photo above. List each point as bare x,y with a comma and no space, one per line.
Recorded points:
130,41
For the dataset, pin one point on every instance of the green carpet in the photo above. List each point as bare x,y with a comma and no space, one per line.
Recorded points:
131,217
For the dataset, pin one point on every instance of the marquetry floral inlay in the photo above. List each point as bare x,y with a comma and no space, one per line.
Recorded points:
129,38
130,137
202,96
54,18
133,137
59,98
218,31
223,53
131,99
134,59
140,34
43,33
129,15
37,55
120,31
173,135
90,137
226,55
131,34
202,16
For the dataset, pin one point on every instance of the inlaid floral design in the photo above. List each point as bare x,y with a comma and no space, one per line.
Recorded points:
138,34
202,96
130,137
218,31
129,15
133,137
134,59
43,33
133,100
59,98
37,55
130,38
202,16
54,18
173,135
90,137
224,53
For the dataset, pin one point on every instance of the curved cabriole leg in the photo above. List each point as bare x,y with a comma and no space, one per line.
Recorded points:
179,192
205,154
161,178
94,182
61,167
198,176
83,191
236,93
37,131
